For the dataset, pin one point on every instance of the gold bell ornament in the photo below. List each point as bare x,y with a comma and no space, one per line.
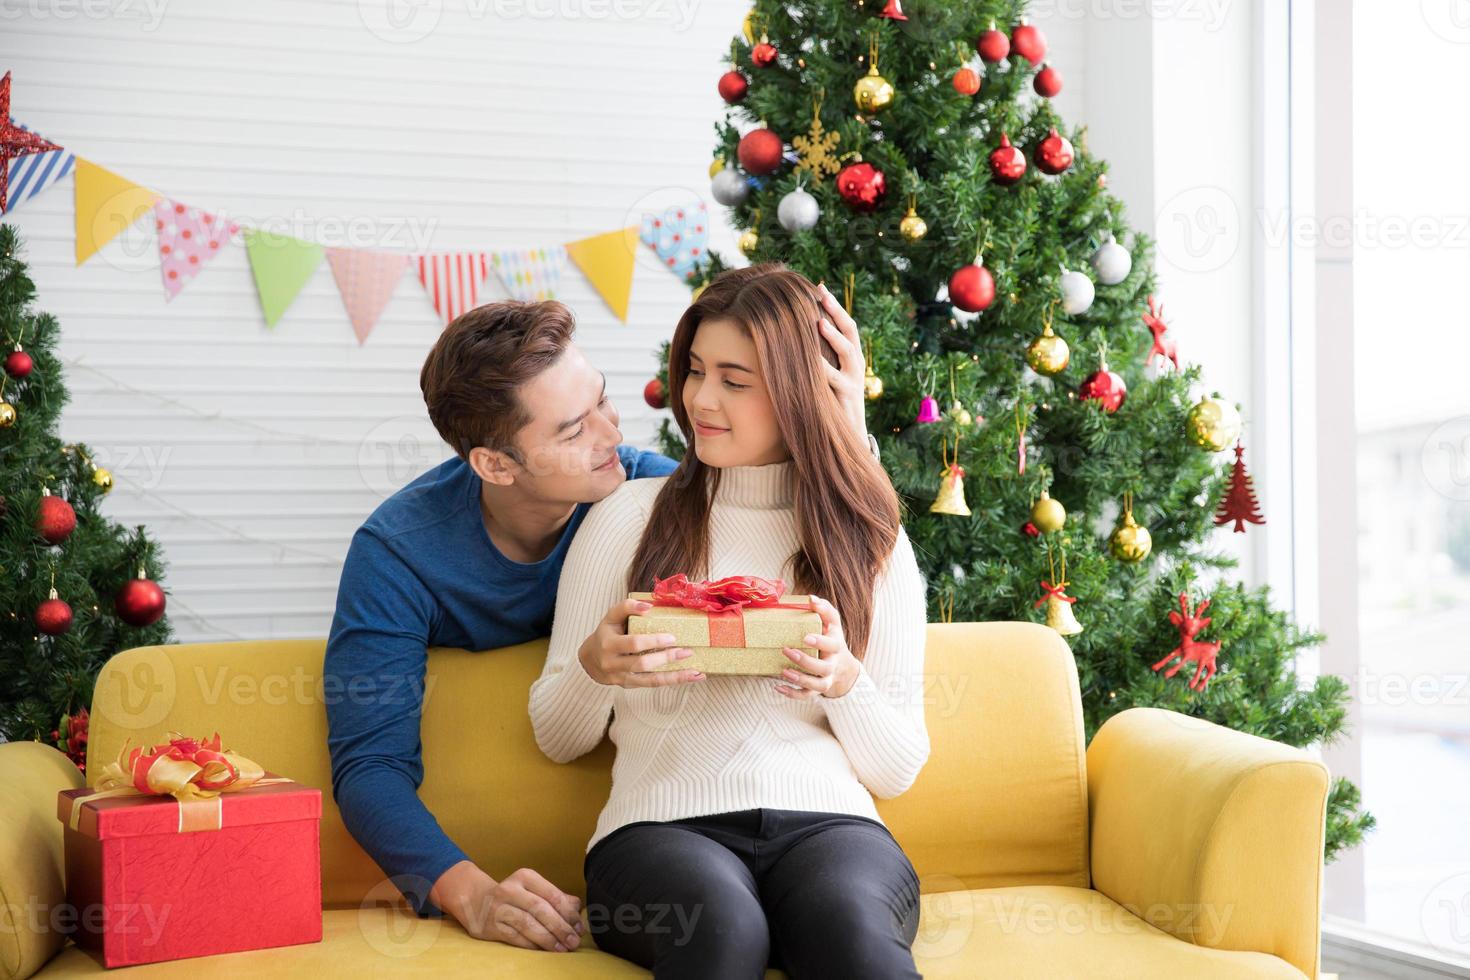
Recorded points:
1048,354
1059,614
1130,540
951,499
1048,514
873,93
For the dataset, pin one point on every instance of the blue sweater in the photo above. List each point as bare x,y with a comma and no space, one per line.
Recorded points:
422,572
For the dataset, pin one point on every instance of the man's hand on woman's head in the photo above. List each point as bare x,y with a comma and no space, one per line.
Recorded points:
832,672
839,330
612,656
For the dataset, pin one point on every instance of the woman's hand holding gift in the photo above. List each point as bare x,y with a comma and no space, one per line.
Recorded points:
611,656
832,672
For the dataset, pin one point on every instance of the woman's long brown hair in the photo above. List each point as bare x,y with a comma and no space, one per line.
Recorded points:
847,513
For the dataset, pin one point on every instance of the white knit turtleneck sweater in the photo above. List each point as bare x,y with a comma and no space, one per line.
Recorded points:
733,743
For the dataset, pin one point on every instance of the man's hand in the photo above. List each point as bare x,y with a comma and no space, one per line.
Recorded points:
846,379
611,656
523,909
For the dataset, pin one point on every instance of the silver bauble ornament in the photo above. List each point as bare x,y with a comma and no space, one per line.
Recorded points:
798,211
1077,292
1111,262
729,187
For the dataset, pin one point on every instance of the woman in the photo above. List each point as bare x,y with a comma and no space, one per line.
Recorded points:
741,824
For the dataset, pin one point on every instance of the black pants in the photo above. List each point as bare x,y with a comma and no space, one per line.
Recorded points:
815,894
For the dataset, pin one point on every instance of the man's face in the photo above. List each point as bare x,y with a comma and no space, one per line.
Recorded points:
570,447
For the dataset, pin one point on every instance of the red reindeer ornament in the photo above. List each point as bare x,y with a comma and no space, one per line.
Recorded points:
1189,649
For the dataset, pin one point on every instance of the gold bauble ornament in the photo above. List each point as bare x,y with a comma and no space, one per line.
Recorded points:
1048,354
1212,424
103,478
7,415
960,413
1048,514
872,385
873,93
1130,540
913,228
1059,616
749,241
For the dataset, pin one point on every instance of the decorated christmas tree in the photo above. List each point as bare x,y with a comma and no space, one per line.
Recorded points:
1057,459
75,588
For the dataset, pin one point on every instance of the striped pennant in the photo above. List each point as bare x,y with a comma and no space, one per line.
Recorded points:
32,174
452,280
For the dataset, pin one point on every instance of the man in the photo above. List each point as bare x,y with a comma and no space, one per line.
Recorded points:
469,555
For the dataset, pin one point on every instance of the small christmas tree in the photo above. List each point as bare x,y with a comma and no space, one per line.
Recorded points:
75,588
912,160
1239,503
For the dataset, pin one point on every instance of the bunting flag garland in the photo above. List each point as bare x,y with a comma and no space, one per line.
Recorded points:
281,266
607,262
31,174
366,279
452,280
530,273
106,204
679,237
16,142
187,239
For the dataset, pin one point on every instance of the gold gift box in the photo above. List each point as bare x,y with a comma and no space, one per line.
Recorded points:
767,630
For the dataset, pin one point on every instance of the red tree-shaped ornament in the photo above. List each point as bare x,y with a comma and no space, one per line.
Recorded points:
1190,649
1239,503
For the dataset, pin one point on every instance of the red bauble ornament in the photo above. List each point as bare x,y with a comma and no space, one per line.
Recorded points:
993,45
733,87
1104,387
139,602
1028,42
654,394
18,364
55,519
759,151
972,288
53,617
862,186
893,11
1054,153
1048,82
1031,530
763,55
1007,163
966,81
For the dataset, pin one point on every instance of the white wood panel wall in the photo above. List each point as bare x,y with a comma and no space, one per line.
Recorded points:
253,453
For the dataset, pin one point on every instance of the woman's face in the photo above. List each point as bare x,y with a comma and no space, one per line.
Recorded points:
727,400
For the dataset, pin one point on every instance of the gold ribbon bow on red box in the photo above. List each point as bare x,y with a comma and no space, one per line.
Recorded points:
193,771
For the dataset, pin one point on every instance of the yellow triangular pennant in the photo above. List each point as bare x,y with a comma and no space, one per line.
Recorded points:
106,204
607,262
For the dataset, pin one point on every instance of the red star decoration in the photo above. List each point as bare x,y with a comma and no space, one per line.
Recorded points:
14,142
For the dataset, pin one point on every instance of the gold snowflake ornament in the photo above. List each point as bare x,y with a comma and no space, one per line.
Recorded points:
816,148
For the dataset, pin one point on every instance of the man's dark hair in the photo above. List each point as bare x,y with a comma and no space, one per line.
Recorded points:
471,378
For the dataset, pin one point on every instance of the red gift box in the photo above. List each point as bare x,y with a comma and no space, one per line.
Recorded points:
157,878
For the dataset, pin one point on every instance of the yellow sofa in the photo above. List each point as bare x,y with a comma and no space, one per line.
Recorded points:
1171,848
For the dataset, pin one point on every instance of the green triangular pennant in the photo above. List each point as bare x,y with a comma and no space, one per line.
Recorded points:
281,266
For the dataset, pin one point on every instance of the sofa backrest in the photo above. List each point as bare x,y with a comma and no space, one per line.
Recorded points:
1002,800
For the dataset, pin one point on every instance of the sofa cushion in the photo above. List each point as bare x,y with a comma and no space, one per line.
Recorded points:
1039,932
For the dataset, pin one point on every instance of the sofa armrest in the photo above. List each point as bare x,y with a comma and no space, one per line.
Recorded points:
32,875
1210,834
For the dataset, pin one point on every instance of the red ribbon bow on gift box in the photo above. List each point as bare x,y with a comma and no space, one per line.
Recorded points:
724,601
721,595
